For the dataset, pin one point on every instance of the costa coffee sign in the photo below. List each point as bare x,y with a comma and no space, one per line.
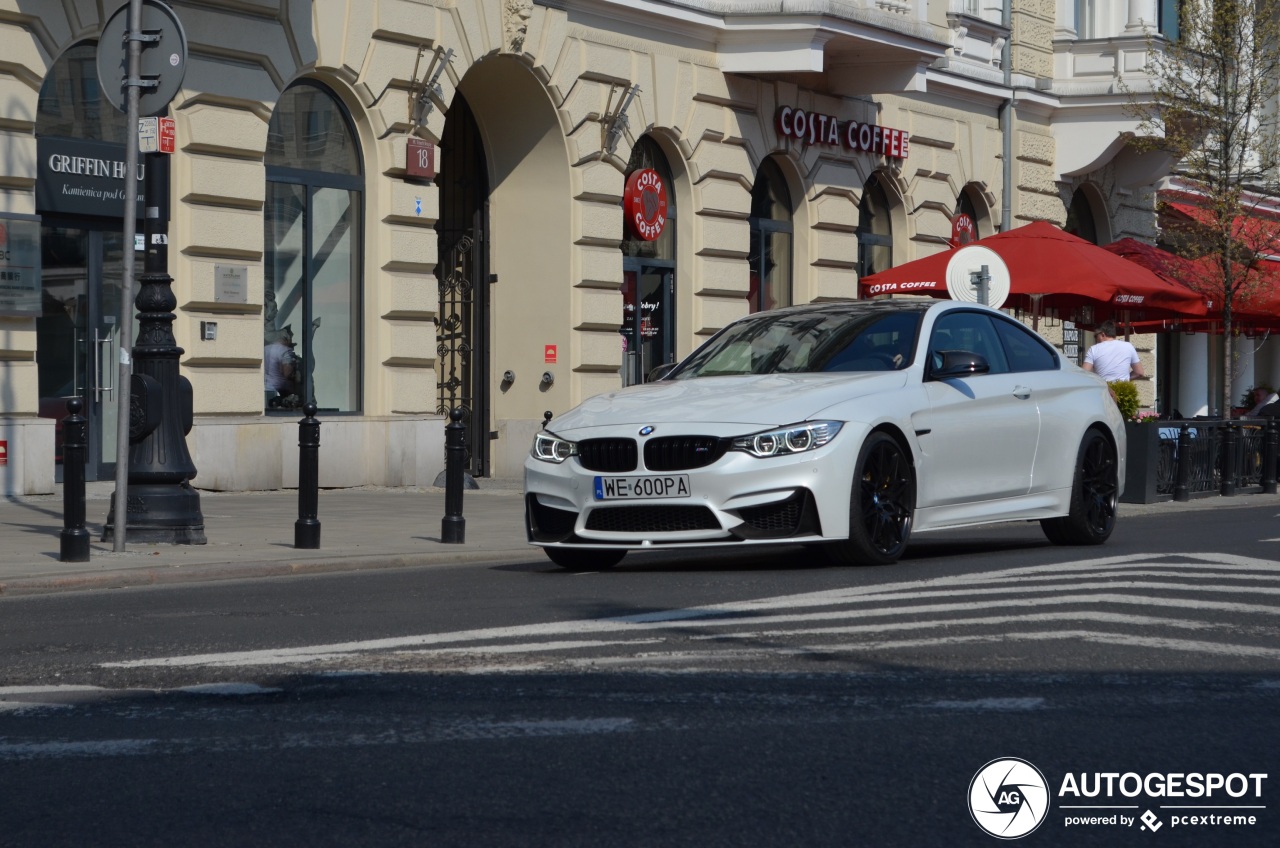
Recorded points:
644,200
815,128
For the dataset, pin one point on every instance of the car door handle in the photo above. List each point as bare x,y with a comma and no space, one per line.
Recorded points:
1022,392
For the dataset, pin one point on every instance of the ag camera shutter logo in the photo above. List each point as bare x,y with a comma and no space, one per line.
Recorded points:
1008,798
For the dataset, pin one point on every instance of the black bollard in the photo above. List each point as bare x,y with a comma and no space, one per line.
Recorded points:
1228,445
1269,444
306,530
1181,486
75,538
453,527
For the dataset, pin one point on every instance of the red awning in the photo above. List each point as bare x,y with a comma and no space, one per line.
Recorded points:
1259,234
1255,306
1065,270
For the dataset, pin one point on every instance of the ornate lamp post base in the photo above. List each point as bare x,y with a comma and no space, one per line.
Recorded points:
160,513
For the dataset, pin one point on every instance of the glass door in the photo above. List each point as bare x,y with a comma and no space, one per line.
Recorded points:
648,331
78,337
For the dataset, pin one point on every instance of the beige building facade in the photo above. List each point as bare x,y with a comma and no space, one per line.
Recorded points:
431,202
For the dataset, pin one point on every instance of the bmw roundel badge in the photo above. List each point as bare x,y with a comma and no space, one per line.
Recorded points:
646,430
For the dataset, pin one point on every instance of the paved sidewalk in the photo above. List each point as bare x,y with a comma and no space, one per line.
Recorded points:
250,534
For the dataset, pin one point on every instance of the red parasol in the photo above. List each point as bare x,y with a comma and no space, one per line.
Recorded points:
1065,270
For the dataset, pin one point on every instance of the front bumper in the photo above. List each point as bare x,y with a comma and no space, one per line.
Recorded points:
738,499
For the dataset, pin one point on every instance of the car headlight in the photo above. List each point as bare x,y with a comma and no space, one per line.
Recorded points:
796,438
549,448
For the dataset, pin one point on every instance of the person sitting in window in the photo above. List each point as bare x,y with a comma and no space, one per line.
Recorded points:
280,367
1261,396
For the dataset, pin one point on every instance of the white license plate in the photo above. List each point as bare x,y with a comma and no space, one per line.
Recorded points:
640,488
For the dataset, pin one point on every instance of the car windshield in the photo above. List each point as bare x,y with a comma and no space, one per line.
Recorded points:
790,342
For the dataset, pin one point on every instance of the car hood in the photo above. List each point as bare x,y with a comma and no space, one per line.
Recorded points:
765,400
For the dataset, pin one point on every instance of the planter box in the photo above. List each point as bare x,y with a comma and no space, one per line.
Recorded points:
1148,474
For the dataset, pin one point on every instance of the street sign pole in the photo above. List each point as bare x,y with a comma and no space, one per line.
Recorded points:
124,379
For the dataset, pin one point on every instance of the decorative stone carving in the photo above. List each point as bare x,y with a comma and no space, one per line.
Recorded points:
515,23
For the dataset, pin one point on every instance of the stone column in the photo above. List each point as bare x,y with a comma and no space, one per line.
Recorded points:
1142,17
1192,398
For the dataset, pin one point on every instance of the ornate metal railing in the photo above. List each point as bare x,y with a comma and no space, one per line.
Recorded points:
454,345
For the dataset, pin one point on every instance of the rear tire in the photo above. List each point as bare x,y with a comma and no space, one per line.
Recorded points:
585,559
1093,496
881,505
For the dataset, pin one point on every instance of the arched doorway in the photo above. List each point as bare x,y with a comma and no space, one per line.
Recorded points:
1087,218
462,333
506,241
649,277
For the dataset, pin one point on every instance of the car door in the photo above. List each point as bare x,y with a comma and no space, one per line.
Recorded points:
980,432
1056,393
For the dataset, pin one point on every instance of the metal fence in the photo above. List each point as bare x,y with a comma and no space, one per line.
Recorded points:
1201,457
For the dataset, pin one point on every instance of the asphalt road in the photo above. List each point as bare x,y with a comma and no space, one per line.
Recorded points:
708,700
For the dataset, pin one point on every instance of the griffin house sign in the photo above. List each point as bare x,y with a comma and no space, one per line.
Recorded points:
815,128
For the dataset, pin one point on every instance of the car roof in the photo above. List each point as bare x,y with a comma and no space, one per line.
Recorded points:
869,307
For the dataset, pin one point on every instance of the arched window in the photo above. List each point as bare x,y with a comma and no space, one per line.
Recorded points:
1080,221
71,104
875,230
771,236
313,284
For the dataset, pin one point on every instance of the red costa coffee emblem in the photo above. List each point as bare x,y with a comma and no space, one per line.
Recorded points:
645,203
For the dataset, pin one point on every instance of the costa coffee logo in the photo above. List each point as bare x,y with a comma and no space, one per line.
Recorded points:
645,203
963,230
815,128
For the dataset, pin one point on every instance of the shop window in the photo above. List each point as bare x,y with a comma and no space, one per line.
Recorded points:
771,240
313,284
875,230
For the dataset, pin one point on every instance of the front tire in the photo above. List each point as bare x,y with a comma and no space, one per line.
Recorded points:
1093,496
585,559
881,505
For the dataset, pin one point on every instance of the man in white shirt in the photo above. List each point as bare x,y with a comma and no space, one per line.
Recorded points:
1112,358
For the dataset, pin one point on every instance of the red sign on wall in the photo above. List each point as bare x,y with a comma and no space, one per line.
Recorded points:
644,202
420,158
963,230
549,354
4,453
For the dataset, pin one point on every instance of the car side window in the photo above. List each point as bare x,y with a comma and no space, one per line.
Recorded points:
1026,351
971,331
886,344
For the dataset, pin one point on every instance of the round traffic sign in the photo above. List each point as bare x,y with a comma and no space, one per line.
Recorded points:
164,61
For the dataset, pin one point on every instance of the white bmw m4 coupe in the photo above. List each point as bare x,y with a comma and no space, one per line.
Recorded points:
847,426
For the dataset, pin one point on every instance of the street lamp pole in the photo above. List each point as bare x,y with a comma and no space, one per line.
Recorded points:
133,83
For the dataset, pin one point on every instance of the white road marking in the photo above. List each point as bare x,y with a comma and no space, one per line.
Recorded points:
1202,575
997,704
461,730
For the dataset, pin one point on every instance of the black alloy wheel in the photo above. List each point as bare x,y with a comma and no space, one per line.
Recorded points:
881,505
1094,496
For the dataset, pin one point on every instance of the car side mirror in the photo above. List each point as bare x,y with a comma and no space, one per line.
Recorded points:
661,371
947,364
